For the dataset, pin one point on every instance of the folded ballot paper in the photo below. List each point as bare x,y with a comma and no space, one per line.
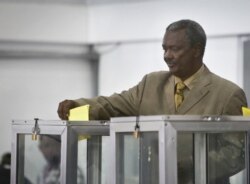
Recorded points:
80,114
245,111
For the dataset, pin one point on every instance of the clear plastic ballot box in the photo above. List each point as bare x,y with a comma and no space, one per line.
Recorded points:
132,150
180,150
59,152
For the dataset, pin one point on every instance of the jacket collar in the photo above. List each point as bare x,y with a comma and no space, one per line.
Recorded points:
200,90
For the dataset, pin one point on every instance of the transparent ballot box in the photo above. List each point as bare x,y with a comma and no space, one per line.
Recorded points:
180,150
59,152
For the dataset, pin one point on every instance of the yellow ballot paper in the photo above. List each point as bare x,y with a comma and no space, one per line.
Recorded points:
80,114
245,111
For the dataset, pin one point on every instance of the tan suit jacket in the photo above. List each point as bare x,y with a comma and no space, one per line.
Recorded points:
154,95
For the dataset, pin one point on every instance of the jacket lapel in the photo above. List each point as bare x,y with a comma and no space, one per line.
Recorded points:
169,91
197,93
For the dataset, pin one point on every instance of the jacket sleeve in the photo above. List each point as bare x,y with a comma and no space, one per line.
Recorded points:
226,151
235,102
226,155
126,103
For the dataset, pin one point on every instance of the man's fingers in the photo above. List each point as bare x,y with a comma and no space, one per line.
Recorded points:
60,110
64,107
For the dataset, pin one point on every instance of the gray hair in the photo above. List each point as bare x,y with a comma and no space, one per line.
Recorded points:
194,32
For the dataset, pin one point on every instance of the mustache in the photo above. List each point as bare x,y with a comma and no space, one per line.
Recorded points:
169,61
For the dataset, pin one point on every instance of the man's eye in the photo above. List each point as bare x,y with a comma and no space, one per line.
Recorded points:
175,48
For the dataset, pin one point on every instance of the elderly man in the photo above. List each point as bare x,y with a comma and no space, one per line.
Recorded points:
188,88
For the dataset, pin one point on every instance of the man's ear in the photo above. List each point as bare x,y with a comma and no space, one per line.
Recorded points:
198,50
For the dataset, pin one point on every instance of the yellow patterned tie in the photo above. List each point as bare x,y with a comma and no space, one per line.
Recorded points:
179,96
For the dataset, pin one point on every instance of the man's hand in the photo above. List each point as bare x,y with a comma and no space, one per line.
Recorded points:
64,107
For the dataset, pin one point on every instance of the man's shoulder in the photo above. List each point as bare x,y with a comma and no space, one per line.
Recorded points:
218,80
159,74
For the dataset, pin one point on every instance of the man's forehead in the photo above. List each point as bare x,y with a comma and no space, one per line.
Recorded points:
178,33
178,36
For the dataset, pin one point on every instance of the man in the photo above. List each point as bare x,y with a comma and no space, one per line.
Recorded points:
50,147
202,92
5,169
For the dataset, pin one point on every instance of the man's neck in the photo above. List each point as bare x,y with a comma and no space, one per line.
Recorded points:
189,79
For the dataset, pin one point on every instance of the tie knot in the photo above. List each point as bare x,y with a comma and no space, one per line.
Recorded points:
179,93
180,86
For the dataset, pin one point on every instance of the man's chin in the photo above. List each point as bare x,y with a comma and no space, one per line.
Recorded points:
173,71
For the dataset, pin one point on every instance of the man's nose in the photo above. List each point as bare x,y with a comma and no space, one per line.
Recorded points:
168,55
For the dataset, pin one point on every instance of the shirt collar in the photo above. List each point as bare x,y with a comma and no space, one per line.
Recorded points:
188,81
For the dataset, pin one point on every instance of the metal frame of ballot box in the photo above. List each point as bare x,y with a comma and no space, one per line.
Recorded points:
166,129
69,133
